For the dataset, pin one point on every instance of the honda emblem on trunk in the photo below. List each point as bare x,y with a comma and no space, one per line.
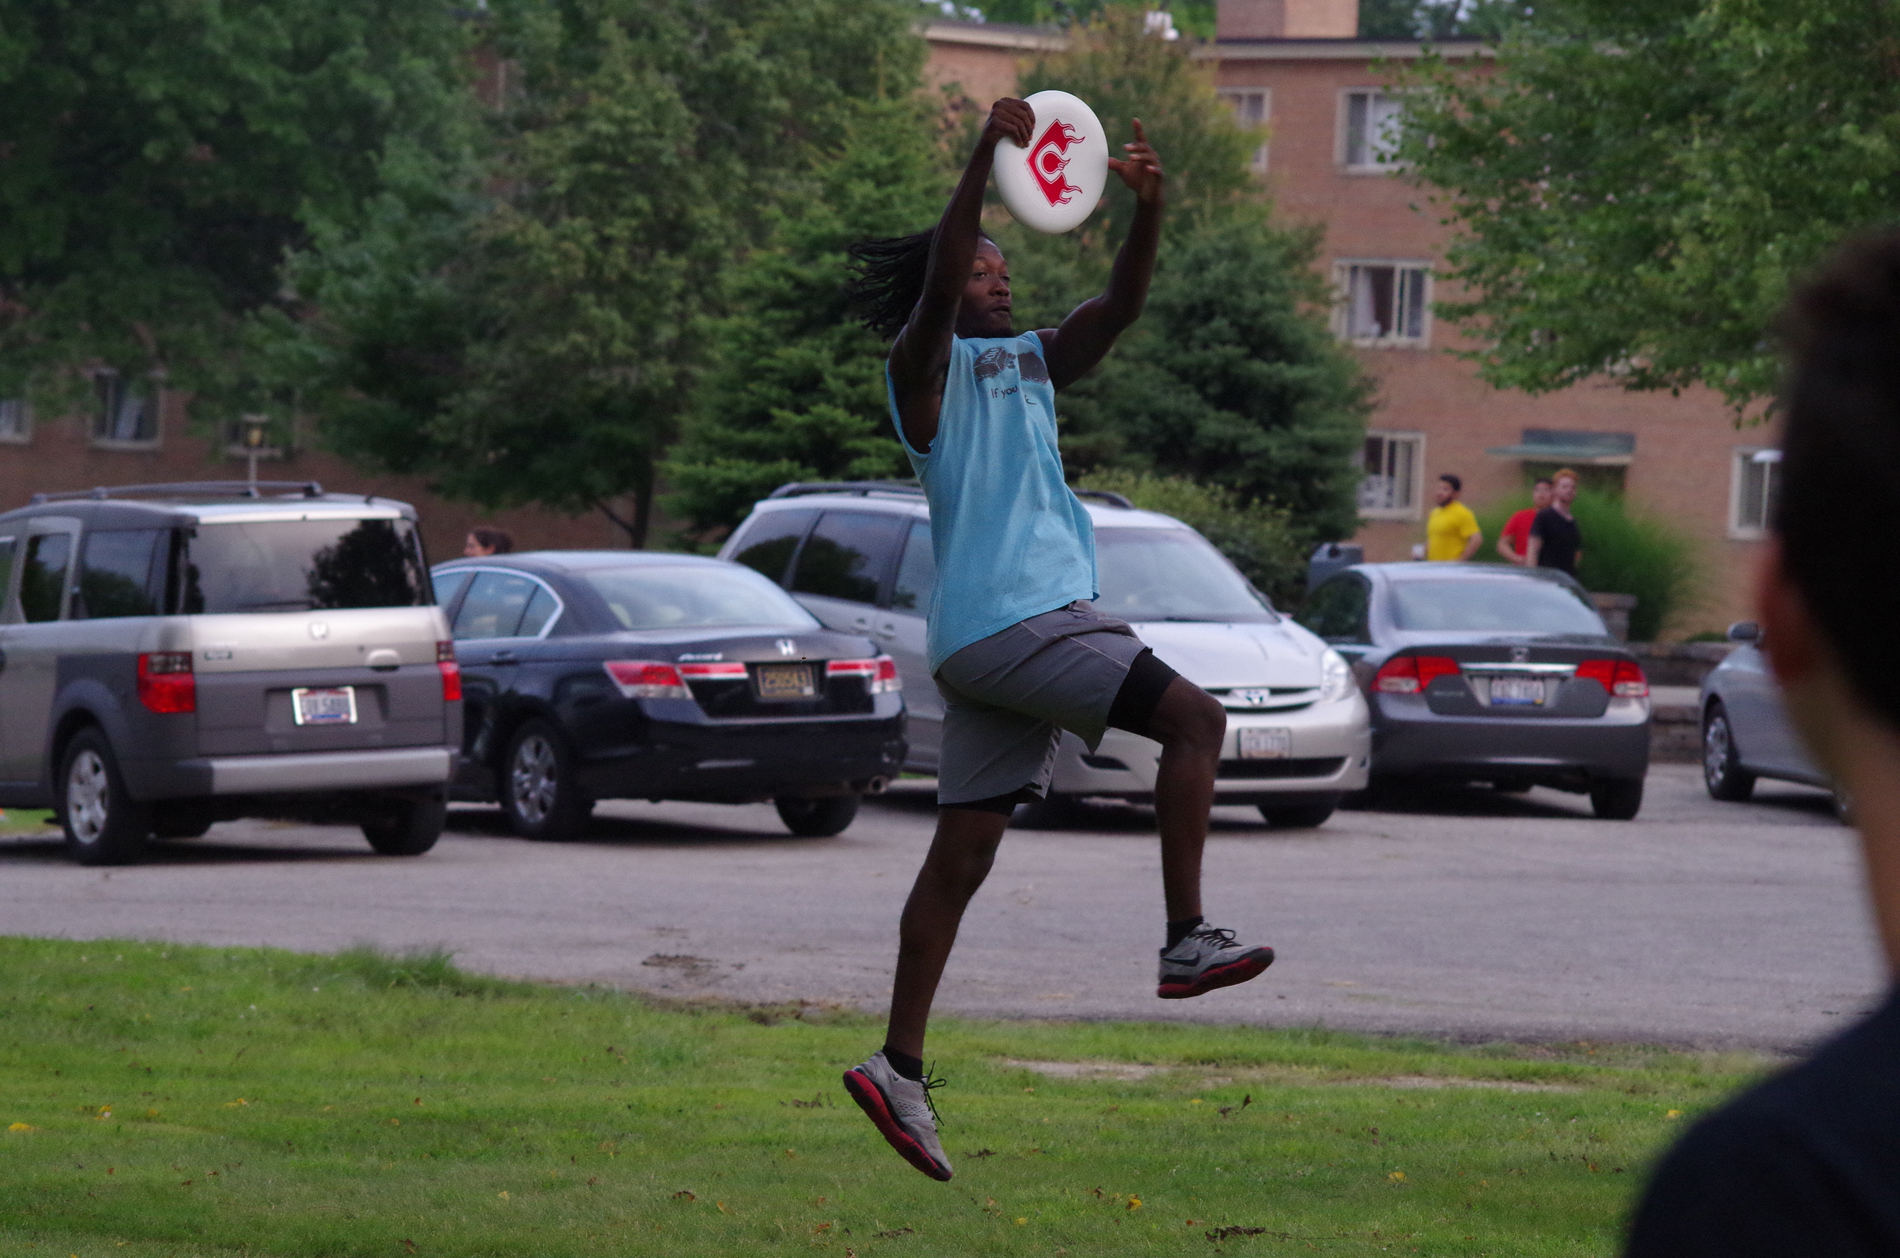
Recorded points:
787,647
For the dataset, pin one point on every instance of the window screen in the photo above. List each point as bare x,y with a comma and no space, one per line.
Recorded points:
847,555
1385,302
43,575
1371,128
916,573
768,541
116,574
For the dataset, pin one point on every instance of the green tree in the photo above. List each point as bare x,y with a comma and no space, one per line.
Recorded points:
794,387
1259,540
158,158
1635,186
544,341
1439,19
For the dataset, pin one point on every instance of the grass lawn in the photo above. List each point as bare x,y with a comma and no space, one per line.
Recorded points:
163,1100
26,821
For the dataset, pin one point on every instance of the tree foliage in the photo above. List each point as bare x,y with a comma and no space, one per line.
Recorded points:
1439,19
1635,187
158,158
546,343
794,387
1259,540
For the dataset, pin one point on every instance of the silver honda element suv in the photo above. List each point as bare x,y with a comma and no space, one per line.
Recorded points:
176,655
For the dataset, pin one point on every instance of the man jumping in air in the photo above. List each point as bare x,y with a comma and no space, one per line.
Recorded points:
1017,649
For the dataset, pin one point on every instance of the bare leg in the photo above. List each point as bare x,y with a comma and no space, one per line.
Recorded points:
1189,723
959,859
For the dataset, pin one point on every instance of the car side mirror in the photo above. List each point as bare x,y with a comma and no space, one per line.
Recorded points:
1744,631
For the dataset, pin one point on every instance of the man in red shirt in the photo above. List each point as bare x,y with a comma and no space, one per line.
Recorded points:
1514,543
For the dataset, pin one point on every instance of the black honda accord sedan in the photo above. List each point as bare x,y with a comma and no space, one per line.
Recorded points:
1483,673
590,675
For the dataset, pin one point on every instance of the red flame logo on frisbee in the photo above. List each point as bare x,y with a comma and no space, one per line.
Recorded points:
1049,158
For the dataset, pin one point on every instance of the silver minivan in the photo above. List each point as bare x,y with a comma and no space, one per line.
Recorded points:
176,655
858,556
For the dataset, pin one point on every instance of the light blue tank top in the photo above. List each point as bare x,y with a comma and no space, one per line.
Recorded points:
1011,540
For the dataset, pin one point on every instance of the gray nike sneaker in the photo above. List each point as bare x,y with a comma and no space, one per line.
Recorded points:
1206,959
902,1110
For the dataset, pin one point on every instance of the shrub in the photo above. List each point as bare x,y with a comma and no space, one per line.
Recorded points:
1624,552
1259,540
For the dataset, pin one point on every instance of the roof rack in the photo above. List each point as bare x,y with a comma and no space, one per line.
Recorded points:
230,488
1109,496
861,488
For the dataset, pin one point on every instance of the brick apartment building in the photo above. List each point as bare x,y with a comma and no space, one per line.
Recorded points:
1297,69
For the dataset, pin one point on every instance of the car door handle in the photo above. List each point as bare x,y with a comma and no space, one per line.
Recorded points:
887,629
503,657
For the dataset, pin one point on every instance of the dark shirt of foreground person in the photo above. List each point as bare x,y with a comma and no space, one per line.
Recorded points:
1807,1163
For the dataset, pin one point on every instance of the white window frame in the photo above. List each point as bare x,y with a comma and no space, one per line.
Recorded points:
1342,309
1741,458
1415,490
155,395
1342,138
23,435
1234,96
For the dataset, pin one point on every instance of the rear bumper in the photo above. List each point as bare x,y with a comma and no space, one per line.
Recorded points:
1409,739
752,761
306,772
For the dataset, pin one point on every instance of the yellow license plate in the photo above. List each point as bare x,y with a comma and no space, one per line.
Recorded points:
786,681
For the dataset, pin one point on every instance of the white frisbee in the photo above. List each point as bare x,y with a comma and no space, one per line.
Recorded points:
1057,181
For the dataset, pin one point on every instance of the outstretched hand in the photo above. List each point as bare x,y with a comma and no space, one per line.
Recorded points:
1010,119
1141,169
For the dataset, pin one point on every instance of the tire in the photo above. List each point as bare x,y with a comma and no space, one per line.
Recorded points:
1617,801
1297,816
817,818
410,828
1722,772
104,825
538,790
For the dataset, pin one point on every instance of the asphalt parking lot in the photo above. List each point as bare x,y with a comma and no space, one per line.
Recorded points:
1464,914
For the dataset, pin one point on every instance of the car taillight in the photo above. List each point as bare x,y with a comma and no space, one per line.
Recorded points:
1622,678
713,672
450,670
647,679
880,674
166,683
1411,674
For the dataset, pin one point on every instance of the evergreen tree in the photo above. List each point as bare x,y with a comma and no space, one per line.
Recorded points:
794,389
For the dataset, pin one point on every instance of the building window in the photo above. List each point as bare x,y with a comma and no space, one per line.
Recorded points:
1368,131
1384,303
1392,463
1754,485
1252,106
16,421
126,412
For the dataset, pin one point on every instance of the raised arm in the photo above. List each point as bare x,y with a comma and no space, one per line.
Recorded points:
921,353
1089,332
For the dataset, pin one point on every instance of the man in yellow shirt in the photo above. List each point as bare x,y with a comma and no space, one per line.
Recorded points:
1451,531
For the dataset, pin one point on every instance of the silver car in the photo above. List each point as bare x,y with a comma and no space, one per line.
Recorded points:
1745,730
858,556
176,655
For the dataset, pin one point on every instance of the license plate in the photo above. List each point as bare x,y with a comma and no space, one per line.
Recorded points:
1265,744
786,681
334,705
1522,691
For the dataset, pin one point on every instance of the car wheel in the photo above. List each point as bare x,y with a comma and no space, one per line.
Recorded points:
538,789
1617,801
104,825
1722,771
817,818
409,828
1297,816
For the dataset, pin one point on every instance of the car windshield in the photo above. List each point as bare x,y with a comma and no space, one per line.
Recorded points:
651,596
303,565
1171,574
1493,605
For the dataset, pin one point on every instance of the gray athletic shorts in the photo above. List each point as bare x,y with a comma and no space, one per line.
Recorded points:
1008,697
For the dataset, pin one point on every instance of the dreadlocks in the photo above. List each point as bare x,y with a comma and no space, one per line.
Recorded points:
888,278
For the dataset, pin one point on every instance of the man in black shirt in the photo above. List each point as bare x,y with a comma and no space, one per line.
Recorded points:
1555,540
1809,1162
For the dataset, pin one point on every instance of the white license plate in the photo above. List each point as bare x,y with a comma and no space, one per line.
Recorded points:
333,705
1265,744
1521,691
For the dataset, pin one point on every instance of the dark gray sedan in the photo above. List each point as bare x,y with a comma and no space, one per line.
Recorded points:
1483,673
